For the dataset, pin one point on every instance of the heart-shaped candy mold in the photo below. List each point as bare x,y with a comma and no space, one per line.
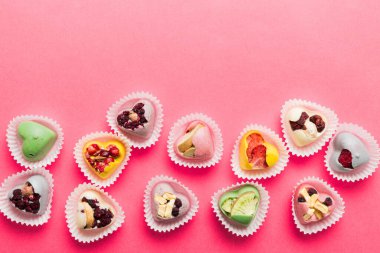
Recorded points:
104,157
240,204
306,126
37,140
139,119
312,204
196,142
349,152
255,153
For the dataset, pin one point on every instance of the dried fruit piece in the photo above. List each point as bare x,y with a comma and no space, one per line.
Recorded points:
319,123
345,159
300,123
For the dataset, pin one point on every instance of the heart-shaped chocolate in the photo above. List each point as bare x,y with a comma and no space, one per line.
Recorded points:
94,211
306,126
255,153
349,152
139,119
312,203
32,196
240,204
37,140
169,201
104,157
196,142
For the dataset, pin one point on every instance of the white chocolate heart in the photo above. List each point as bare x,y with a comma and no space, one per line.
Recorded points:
352,143
40,186
310,133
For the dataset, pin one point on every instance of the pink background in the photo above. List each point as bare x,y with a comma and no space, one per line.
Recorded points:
237,61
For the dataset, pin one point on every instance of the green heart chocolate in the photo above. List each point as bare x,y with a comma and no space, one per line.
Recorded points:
37,140
240,205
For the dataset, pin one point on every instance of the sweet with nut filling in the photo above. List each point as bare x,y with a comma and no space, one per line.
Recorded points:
312,205
93,212
196,142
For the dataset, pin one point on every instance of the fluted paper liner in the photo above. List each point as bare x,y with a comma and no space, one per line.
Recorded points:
15,142
234,228
175,132
363,171
18,216
88,172
327,222
312,148
137,142
91,235
269,136
166,226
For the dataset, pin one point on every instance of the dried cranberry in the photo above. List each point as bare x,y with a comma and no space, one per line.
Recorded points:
178,202
114,152
175,211
312,191
301,199
17,192
318,121
328,201
345,158
138,106
300,123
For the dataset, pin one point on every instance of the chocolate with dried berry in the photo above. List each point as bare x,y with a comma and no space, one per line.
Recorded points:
104,157
306,125
137,120
349,153
93,212
32,196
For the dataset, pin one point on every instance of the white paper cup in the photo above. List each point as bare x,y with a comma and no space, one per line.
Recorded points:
331,126
89,173
178,128
364,171
18,216
334,217
168,226
91,235
127,101
269,136
256,223
15,142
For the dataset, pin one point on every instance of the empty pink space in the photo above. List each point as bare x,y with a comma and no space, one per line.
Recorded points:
236,61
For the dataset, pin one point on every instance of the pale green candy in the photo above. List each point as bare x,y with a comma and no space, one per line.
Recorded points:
37,140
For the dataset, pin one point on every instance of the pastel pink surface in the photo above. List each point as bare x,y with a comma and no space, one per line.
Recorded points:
235,61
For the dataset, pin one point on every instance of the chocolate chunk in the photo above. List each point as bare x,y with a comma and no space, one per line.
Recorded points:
300,123
318,121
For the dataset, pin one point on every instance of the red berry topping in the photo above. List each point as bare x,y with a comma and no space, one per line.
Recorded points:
114,152
300,123
345,158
